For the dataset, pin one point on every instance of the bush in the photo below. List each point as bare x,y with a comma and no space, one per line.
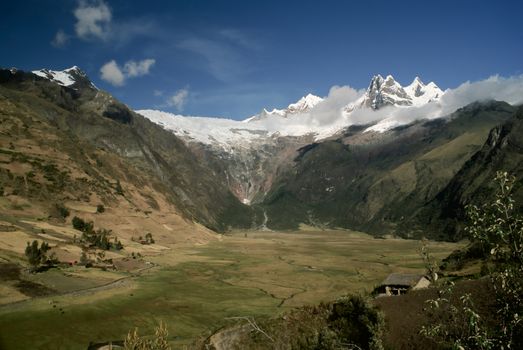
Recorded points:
81,225
119,189
63,212
356,322
149,238
100,208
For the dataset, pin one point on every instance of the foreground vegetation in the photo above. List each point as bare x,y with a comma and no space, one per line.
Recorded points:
496,230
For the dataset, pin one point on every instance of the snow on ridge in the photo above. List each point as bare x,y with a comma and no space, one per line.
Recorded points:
311,115
207,130
63,78
66,77
228,133
304,104
342,108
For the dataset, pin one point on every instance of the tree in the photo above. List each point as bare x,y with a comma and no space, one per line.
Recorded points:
356,323
497,227
36,255
431,265
81,225
84,259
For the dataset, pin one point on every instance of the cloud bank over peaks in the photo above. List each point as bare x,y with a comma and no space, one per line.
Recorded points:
112,73
495,87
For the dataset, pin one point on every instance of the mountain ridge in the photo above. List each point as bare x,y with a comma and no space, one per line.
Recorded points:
98,119
358,178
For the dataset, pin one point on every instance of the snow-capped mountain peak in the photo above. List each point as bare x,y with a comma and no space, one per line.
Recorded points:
302,118
415,88
388,92
382,92
304,104
67,77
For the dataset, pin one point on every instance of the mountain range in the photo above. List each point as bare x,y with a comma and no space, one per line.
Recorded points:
387,160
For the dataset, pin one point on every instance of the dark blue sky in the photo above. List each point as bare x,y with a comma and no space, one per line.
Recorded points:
232,58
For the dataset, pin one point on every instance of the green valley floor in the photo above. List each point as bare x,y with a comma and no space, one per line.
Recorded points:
196,289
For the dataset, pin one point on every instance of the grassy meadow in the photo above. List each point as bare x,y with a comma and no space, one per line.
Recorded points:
197,288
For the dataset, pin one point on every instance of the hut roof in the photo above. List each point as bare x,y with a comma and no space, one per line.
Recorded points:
402,279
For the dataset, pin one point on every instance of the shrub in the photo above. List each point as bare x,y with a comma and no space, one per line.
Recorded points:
81,225
149,238
61,210
119,189
100,208
78,223
356,322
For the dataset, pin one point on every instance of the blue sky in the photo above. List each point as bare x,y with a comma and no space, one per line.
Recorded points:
233,58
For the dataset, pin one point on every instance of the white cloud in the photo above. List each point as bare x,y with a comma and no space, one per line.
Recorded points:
179,99
60,39
324,119
93,20
158,93
113,74
494,88
330,110
136,69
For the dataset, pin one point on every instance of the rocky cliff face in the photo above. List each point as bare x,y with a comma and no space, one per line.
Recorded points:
384,92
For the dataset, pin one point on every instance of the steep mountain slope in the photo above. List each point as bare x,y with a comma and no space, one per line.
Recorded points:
373,181
93,124
503,150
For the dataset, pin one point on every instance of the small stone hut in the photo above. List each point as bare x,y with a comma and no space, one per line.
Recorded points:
401,283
